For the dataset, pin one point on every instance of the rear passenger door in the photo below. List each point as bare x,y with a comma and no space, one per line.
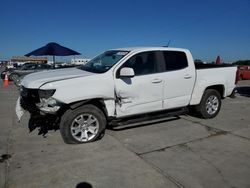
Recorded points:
179,79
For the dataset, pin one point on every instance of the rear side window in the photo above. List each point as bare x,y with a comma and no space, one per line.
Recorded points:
175,60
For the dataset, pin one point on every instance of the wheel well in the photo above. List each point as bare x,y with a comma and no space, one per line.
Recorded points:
219,88
99,103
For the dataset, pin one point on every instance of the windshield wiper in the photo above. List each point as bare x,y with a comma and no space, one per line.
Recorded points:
88,69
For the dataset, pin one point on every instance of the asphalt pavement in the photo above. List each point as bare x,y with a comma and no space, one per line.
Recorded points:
178,152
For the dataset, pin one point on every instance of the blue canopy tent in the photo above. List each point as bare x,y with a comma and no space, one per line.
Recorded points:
53,49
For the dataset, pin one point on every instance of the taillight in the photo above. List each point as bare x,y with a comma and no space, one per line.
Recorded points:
237,77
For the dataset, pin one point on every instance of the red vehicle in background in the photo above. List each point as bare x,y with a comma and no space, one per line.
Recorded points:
244,72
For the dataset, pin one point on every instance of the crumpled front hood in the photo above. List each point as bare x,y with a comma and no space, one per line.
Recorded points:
36,80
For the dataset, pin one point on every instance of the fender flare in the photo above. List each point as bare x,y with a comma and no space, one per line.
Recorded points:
77,104
105,106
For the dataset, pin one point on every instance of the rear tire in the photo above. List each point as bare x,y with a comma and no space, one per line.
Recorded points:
82,125
210,104
13,77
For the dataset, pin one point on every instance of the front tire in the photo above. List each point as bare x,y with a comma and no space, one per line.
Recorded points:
82,125
17,81
13,77
210,104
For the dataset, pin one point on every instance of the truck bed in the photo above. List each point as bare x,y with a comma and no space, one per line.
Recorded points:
212,75
209,66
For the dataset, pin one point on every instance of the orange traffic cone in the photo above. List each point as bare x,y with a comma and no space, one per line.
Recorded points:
6,81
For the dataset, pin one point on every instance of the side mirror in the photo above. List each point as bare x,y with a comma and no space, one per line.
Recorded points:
127,72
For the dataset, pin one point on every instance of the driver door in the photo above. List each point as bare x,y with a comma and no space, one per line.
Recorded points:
143,92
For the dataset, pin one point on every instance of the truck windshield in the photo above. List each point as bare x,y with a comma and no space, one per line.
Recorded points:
104,62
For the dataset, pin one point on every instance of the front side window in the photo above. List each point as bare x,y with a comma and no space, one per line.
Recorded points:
175,60
104,62
43,66
29,66
142,63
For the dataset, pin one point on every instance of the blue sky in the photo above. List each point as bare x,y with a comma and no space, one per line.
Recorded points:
207,28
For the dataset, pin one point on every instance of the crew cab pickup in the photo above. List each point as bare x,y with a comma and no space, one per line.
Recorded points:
124,83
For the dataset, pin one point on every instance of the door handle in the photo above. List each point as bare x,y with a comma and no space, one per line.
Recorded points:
187,76
156,81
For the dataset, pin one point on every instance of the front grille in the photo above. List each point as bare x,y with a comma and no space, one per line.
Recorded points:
29,98
31,94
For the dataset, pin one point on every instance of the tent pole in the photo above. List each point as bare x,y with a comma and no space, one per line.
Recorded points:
54,63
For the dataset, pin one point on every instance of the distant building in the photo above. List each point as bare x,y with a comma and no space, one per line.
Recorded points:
4,63
79,61
16,59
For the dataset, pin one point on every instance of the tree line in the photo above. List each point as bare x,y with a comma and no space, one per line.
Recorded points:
242,62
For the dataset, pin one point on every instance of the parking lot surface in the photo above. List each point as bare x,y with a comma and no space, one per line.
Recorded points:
178,152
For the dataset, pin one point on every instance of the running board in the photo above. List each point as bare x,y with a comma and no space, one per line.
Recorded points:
148,118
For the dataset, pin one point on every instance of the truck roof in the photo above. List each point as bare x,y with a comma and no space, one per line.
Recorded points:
134,49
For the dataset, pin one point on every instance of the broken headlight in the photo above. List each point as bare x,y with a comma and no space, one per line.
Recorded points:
47,103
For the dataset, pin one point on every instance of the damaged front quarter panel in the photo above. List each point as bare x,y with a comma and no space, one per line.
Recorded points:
110,106
122,98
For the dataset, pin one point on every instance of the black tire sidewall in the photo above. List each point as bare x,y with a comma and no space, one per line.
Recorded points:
70,115
202,106
11,76
17,82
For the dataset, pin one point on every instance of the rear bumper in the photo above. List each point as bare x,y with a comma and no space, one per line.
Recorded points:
232,95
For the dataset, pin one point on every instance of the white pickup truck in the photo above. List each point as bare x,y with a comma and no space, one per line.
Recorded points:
124,83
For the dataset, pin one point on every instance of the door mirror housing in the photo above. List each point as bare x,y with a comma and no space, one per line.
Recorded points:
127,72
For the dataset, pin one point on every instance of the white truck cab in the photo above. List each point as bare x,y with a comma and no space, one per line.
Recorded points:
122,83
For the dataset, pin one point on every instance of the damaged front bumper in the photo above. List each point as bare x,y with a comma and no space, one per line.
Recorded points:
34,102
19,110
46,106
